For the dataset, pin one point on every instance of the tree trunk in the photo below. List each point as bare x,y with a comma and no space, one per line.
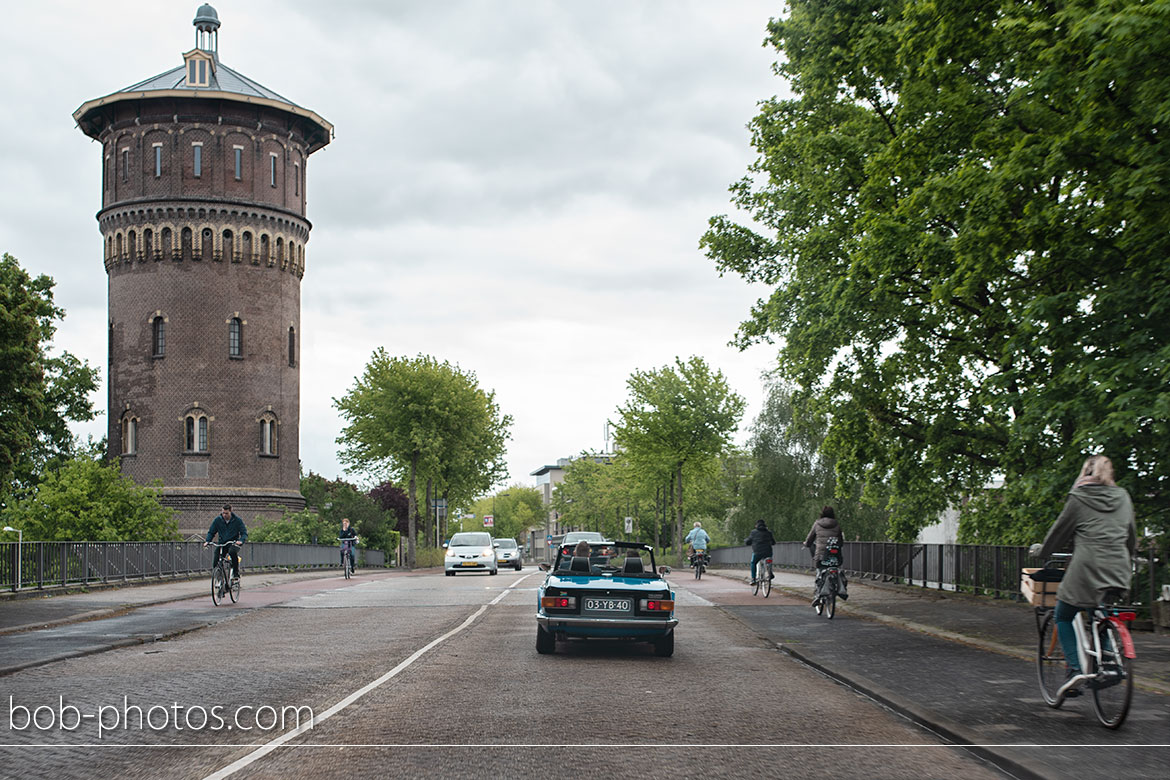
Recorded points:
431,513
657,522
678,523
411,512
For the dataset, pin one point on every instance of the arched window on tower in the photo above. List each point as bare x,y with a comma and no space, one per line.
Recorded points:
264,254
229,246
268,428
246,247
195,431
118,244
133,245
148,244
280,251
206,243
235,337
168,247
129,434
158,336
186,240
292,347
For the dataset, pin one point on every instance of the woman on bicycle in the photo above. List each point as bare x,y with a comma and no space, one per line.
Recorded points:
348,537
1098,520
825,527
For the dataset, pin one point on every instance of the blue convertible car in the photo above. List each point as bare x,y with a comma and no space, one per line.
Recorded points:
613,593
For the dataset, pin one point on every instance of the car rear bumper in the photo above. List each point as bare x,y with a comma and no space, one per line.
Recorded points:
604,626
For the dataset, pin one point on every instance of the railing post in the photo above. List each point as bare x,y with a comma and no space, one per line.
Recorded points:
125,559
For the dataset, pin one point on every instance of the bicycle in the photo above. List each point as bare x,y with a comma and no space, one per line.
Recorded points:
699,562
829,579
222,582
1104,648
763,578
347,551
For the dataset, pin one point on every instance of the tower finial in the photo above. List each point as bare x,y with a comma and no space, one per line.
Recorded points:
207,29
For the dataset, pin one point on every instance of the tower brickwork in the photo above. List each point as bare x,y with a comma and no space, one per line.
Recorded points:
204,231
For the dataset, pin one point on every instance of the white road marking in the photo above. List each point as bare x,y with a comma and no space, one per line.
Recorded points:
264,750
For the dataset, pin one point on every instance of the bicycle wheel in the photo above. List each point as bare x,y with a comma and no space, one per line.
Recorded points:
831,599
234,589
345,567
1113,686
767,584
759,578
698,570
1050,665
217,585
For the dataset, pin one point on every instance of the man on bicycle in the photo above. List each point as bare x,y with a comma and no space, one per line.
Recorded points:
1098,520
698,539
348,537
761,540
230,528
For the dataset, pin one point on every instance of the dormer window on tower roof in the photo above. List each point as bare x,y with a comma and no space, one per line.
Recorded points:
200,67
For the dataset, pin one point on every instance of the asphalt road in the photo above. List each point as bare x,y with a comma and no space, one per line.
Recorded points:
416,674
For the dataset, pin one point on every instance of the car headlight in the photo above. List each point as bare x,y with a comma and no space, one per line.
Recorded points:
487,553
450,552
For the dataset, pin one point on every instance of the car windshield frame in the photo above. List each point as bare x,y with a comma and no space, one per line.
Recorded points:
607,569
483,539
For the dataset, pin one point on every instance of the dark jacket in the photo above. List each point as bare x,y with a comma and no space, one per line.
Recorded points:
761,540
228,531
1098,521
823,530
347,533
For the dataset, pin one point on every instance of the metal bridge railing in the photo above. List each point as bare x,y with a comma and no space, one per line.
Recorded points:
30,565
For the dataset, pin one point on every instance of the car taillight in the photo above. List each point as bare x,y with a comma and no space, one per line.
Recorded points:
656,605
558,602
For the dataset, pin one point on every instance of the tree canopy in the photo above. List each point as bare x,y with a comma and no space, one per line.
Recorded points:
84,499
676,417
39,393
962,212
412,416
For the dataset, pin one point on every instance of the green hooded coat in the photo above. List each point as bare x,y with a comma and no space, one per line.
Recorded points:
1097,520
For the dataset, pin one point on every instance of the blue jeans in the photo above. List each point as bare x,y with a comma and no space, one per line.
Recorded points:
1064,614
756,558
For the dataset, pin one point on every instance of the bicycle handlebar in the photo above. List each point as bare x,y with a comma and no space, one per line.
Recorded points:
222,544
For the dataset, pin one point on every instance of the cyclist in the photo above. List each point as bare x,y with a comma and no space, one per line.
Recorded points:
698,539
824,528
349,538
1098,520
230,528
761,540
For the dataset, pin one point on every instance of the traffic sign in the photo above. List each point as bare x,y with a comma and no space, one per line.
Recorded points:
488,521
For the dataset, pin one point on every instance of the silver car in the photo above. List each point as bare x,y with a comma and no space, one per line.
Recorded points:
470,551
508,554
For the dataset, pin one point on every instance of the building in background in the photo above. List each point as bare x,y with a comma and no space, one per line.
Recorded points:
203,231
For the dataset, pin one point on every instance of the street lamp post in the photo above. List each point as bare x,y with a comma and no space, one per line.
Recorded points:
19,546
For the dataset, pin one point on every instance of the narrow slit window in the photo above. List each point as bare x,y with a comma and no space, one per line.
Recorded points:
272,170
158,337
157,160
239,161
125,165
292,348
236,338
197,150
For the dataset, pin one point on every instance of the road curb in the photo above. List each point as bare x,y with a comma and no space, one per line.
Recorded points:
950,730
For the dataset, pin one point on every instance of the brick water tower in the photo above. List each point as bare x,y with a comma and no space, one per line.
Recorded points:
204,231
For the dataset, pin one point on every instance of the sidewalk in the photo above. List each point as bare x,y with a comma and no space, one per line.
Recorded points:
995,625
29,612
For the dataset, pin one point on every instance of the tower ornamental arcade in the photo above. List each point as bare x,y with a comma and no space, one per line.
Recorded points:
203,236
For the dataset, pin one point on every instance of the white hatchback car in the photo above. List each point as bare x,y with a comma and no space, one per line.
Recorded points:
470,551
508,554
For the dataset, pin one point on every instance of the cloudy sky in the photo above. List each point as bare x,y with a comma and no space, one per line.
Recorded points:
516,186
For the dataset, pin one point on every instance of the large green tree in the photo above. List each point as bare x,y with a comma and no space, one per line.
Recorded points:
677,417
39,393
411,416
84,499
962,212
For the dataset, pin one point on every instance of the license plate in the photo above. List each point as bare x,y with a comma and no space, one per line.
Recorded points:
468,563
608,605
